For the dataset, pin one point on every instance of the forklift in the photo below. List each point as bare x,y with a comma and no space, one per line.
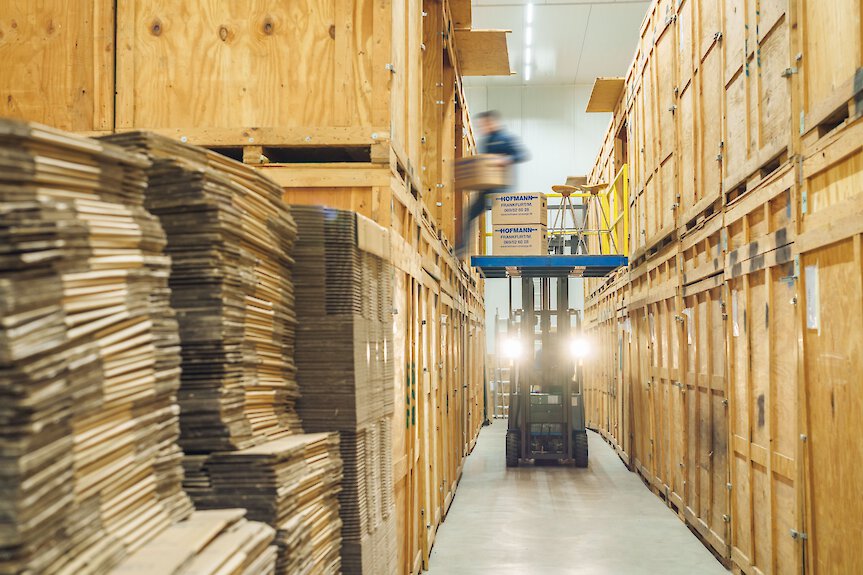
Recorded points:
545,341
546,413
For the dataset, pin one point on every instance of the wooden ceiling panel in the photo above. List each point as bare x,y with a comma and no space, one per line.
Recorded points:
482,52
605,95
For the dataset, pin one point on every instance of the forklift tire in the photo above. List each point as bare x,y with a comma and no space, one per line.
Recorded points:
513,447
579,448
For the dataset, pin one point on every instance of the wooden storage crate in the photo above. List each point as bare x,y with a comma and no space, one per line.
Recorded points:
707,499
638,374
665,364
699,108
314,74
762,371
757,95
830,65
830,319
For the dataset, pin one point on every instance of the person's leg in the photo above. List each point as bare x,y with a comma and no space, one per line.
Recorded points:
476,207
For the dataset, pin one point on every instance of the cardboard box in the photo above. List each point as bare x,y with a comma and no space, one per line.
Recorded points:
519,240
480,172
519,208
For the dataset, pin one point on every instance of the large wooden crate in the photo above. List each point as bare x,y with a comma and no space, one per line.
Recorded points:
665,363
706,398
210,70
830,319
762,371
830,65
757,95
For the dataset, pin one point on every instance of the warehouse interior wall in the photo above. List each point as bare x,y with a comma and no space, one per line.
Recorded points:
562,140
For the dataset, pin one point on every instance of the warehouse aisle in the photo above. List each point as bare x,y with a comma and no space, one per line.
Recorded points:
552,520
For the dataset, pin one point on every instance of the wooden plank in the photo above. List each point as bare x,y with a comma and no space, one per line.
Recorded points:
287,136
605,95
483,52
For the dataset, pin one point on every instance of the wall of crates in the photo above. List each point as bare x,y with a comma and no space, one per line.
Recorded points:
727,372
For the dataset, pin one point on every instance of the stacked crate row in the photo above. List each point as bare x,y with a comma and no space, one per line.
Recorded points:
371,123
727,371
90,359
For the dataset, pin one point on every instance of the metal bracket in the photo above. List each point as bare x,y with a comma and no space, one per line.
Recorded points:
788,72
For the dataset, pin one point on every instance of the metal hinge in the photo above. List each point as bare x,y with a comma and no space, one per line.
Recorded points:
804,201
799,535
788,72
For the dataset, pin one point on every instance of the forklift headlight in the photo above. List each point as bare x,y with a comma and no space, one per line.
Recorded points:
511,348
579,348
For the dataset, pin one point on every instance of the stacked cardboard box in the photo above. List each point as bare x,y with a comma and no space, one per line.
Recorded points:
481,172
89,359
344,358
519,223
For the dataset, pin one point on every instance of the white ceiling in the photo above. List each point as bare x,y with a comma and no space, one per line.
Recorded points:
574,41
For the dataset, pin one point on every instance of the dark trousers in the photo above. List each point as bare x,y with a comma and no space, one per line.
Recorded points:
478,204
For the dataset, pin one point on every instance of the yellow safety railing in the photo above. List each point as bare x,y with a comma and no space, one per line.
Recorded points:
614,203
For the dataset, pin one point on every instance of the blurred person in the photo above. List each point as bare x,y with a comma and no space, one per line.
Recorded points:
496,140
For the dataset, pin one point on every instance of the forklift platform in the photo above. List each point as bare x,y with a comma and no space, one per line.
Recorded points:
576,266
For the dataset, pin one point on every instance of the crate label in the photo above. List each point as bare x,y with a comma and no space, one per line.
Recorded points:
735,327
690,325
813,303
652,330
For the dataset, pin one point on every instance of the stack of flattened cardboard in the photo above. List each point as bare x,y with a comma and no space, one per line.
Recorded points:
344,360
218,542
89,362
230,238
291,483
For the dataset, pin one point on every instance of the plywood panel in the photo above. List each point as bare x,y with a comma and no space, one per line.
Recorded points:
57,63
216,63
834,408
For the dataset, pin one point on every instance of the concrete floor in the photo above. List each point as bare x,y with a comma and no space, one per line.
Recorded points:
561,520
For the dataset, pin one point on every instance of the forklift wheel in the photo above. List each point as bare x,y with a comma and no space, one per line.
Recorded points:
579,448
513,447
